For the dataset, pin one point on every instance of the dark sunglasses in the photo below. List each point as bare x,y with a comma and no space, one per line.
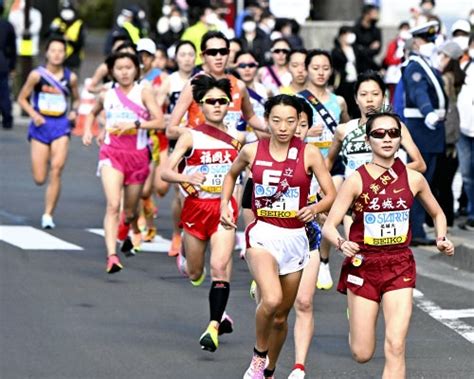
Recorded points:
381,133
214,52
215,100
281,51
249,65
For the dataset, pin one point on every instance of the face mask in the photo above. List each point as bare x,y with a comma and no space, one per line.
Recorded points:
462,41
426,10
121,20
67,14
211,19
176,24
471,19
374,21
271,24
166,10
427,49
404,35
471,53
249,26
350,38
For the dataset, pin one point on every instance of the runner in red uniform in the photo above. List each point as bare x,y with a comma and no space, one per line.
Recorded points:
208,151
277,246
379,265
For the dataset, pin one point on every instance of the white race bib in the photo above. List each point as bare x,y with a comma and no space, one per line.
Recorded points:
286,207
52,104
215,174
386,228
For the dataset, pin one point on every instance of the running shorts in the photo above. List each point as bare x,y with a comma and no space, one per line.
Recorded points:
378,273
247,194
163,140
313,232
133,164
201,217
54,128
288,246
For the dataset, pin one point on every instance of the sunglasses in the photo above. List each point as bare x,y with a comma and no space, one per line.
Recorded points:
249,65
281,51
215,100
381,133
214,52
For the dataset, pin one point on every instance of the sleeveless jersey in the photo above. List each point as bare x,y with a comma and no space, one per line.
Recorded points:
49,100
355,151
115,112
177,84
266,173
269,82
234,111
324,141
211,157
382,220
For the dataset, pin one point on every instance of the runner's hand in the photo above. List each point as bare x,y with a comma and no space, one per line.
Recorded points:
305,214
446,247
100,137
38,120
227,218
196,178
315,131
349,248
72,115
87,138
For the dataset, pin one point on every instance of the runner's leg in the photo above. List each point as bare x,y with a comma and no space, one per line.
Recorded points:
59,151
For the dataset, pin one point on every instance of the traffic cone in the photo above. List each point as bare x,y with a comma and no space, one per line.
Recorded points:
87,102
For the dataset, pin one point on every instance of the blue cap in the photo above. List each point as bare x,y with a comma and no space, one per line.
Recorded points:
427,31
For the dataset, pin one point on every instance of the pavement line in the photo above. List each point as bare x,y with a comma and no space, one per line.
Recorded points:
449,318
29,238
158,245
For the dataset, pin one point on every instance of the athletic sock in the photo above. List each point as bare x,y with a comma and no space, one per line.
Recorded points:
218,296
298,366
267,373
261,354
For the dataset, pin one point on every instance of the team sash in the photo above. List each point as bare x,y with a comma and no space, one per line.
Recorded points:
134,107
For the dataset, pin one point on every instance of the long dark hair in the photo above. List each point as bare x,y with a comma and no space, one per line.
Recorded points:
459,75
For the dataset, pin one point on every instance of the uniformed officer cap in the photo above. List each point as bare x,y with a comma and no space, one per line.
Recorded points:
427,31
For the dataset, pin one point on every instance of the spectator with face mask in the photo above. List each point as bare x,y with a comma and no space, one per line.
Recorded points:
124,24
254,39
70,27
174,31
346,56
368,37
460,34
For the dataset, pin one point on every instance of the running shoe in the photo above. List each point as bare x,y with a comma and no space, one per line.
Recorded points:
209,340
297,373
47,222
253,289
181,264
123,228
127,247
255,370
324,277
113,264
200,280
226,325
136,242
175,245
150,234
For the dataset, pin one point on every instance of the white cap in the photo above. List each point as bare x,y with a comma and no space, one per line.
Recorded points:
146,44
462,25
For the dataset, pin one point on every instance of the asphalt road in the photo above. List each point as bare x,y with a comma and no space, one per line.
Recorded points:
62,316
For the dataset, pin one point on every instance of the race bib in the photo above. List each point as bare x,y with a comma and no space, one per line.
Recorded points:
120,116
52,104
386,228
232,118
286,207
215,174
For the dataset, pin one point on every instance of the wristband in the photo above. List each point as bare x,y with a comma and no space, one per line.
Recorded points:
137,124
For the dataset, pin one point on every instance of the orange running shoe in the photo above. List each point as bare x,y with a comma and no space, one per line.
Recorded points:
175,245
150,235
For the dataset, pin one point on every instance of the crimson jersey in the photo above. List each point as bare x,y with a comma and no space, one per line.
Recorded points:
382,212
266,173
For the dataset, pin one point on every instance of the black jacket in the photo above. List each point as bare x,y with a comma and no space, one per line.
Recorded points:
365,37
7,47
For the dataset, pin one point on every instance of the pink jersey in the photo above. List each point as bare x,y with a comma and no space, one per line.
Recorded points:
266,173
116,112
213,158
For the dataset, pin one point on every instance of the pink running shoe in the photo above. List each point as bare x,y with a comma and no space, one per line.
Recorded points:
181,263
255,370
113,264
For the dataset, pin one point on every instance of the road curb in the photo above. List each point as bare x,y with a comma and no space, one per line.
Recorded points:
462,259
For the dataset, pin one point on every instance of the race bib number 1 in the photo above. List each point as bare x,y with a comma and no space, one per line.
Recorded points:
386,228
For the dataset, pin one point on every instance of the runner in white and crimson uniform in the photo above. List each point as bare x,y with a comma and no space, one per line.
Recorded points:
208,151
123,158
277,246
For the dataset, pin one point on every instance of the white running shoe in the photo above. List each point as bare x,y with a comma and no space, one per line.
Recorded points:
255,370
47,222
297,374
324,277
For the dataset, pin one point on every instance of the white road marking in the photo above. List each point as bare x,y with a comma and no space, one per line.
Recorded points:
158,245
448,317
29,238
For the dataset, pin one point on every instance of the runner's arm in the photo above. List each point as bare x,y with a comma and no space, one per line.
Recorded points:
74,96
24,96
350,189
96,109
157,119
335,146
344,112
247,111
170,173
99,74
417,163
173,131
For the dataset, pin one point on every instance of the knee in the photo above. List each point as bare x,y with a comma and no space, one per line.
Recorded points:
130,215
361,354
270,303
304,305
161,190
39,180
113,208
194,273
219,270
56,169
394,347
280,321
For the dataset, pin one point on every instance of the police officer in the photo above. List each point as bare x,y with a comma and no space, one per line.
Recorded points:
425,110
